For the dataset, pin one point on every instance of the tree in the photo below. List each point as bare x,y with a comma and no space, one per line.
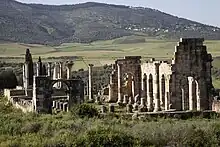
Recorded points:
8,79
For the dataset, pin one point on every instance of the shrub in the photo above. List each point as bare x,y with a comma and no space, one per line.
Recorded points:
31,128
105,137
85,110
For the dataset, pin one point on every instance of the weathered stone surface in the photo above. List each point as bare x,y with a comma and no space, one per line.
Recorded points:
164,84
103,109
142,107
111,108
129,108
184,84
125,100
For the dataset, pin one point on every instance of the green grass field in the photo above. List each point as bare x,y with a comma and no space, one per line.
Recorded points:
103,50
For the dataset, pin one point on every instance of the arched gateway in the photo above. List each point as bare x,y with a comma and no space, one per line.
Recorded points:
43,90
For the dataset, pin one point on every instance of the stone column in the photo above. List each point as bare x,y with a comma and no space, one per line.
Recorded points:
60,76
37,69
191,80
119,84
198,98
133,87
55,71
49,69
149,97
111,88
65,107
26,77
167,93
90,83
61,70
156,88
69,66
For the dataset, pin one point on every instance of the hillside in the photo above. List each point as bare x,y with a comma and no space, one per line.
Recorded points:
87,22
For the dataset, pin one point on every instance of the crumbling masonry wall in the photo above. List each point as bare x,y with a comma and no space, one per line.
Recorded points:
184,84
125,78
191,76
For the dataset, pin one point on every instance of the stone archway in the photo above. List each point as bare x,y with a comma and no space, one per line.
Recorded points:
43,89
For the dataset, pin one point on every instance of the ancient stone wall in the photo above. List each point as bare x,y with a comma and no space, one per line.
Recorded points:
125,78
191,60
157,81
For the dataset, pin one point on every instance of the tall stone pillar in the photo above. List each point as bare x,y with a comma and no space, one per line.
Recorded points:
39,67
49,74
191,80
120,100
198,98
55,71
60,74
149,95
156,88
144,88
167,93
26,75
90,83
69,66
61,70
111,88
133,87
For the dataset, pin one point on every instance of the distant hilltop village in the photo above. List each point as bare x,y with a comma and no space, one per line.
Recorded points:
183,85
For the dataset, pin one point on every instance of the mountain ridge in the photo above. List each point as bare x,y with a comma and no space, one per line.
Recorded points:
91,21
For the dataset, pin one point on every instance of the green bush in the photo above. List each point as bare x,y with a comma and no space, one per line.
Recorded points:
85,110
31,128
100,137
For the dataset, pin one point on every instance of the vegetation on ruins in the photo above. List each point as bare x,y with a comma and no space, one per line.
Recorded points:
64,129
45,24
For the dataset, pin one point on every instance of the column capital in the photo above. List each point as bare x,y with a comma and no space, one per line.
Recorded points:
190,79
69,64
91,65
119,64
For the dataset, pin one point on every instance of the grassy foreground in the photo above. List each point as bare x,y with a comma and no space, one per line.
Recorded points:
18,129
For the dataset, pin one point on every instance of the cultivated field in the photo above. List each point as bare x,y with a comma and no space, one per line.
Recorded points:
105,52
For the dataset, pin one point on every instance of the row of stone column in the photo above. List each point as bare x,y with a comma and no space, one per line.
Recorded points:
152,91
58,69
63,106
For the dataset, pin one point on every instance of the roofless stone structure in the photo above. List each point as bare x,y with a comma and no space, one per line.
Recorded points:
184,84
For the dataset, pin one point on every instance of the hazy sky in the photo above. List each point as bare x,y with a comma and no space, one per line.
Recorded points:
205,11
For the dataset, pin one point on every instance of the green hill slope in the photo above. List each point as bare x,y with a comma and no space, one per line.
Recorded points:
87,22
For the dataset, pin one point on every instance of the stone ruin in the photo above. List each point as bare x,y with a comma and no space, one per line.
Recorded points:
42,91
184,84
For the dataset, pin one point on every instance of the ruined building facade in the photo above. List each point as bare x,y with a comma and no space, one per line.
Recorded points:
184,84
44,90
